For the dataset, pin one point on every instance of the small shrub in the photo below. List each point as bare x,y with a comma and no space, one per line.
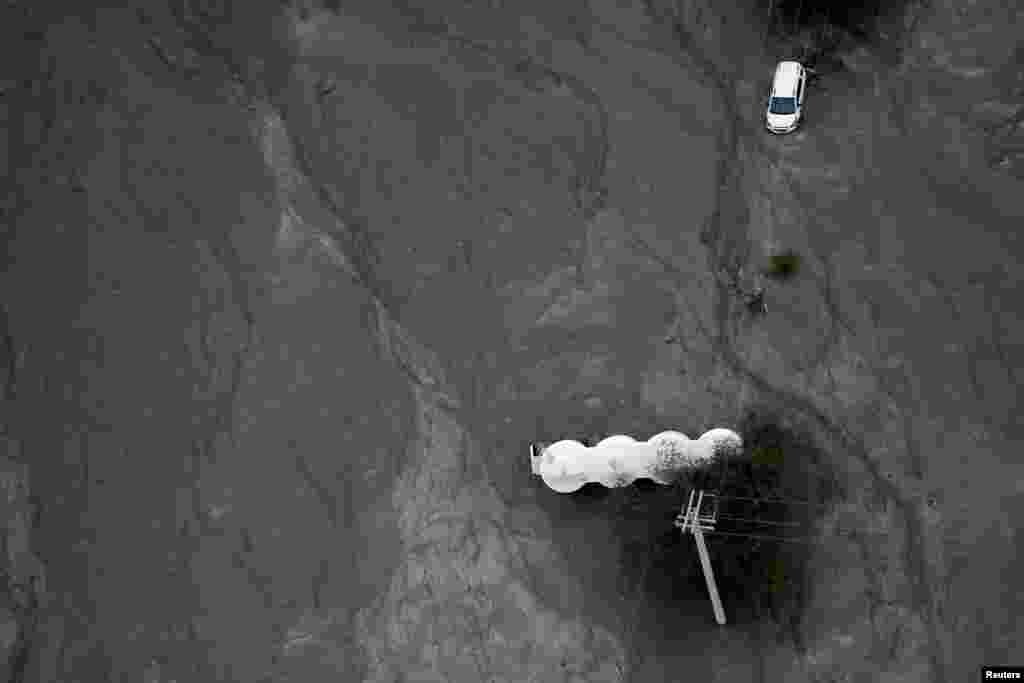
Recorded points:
767,455
783,265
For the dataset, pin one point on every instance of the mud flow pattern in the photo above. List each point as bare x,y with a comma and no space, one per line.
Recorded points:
769,498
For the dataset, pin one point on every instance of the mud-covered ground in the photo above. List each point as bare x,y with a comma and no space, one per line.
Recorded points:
288,291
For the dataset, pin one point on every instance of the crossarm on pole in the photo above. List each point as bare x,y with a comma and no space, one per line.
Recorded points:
696,521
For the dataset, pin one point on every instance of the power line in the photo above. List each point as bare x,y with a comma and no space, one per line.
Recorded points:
733,518
781,501
789,539
692,520
763,537
769,525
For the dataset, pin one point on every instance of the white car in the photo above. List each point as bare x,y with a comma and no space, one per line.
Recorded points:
786,101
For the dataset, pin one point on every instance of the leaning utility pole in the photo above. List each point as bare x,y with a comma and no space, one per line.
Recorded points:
696,522
617,461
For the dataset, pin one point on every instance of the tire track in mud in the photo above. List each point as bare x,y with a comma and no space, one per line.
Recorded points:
723,250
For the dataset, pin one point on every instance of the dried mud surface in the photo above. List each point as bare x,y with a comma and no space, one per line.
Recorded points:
288,291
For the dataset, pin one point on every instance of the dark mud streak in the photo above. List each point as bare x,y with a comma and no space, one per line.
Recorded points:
910,443
238,295
21,653
719,255
24,603
47,77
243,562
1011,369
322,493
9,356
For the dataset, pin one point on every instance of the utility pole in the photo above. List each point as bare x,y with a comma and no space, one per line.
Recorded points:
693,521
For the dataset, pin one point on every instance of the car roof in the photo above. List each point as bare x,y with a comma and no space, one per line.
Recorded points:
786,76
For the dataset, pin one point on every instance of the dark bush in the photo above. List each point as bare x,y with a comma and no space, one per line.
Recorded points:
783,265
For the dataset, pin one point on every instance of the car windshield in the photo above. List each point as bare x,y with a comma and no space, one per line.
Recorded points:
782,105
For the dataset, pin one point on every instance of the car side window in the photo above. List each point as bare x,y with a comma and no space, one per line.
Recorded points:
800,91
